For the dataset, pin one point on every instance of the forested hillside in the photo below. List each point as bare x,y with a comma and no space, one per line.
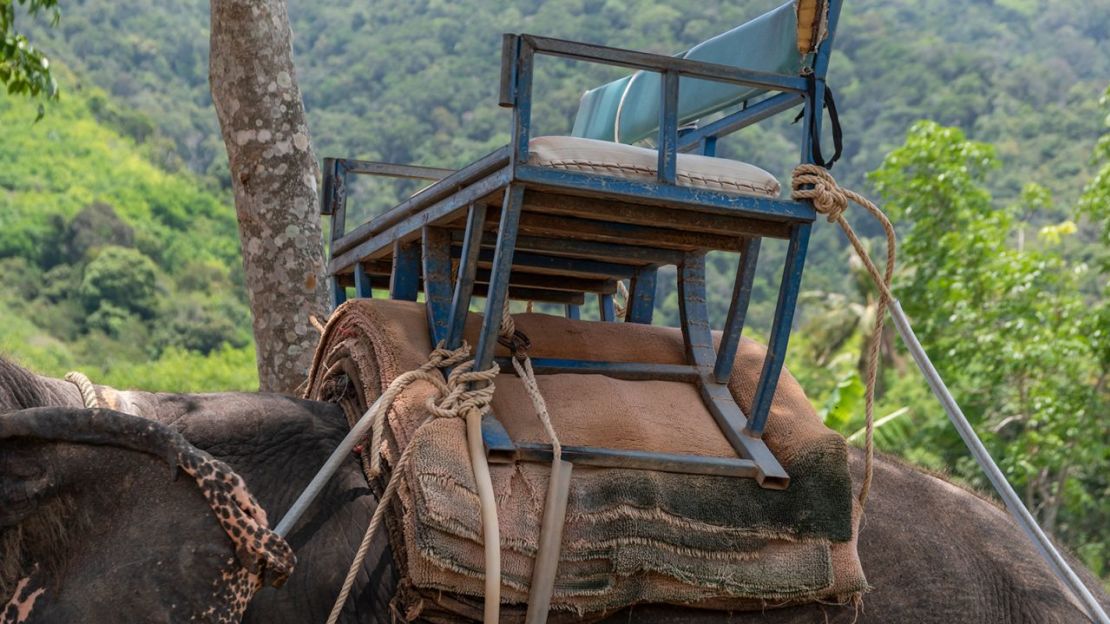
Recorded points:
417,81
119,252
110,262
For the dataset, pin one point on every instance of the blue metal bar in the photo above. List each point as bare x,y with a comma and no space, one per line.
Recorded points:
468,267
332,189
391,170
363,288
661,63
573,312
569,265
592,249
709,146
641,296
376,245
693,311
522,109
653,193
694,317
333,202
730,420
780,330
556,283
633,371
499,446
404,281
618,233
641,460
526,293
338,293
437,281
510,48
431,197
737,310
499,278
741,119
824,50
667,166
606,311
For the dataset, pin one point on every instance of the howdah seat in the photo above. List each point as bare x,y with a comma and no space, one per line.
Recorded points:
556,218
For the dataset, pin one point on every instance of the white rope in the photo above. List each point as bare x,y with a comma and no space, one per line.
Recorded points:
464,394
85,387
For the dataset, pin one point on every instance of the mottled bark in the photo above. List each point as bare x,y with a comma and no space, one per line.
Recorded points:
273,174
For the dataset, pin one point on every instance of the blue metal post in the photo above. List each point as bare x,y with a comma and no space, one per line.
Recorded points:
737,310
573,312
333,202
709,146
605,308
499,275
437,281
522,110
780,329
668,129
404,282
468,268
641,296
363,288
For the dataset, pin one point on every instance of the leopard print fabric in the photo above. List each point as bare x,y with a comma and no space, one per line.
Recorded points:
262,555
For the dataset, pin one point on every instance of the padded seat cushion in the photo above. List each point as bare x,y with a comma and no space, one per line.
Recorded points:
638,163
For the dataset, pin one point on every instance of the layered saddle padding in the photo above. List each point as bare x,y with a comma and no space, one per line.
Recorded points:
630,536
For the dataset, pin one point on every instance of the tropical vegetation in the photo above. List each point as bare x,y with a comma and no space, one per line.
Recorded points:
118,242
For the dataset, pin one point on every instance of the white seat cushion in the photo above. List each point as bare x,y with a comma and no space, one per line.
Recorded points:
638,163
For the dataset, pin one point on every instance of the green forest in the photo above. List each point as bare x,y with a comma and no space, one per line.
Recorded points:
982,128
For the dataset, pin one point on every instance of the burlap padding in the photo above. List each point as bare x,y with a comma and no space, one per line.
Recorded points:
630,536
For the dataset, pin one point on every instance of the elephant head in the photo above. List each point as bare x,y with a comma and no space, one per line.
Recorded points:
80,491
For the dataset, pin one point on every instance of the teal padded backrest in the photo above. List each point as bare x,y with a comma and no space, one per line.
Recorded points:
627,110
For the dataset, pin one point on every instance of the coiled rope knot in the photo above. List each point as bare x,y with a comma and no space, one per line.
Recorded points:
453,397
464,390
827,196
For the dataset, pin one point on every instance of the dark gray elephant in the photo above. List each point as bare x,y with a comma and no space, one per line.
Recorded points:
128,545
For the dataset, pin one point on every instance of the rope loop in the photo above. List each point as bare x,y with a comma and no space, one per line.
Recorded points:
467,394
818,186
85,387
815,184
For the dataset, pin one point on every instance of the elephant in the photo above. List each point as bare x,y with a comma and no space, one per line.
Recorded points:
124,543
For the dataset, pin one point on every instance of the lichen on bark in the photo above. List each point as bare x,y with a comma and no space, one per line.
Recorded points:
273,175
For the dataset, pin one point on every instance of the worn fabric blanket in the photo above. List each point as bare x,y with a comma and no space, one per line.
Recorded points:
630,536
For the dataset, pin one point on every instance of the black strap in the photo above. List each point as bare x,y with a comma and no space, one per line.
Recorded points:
834,119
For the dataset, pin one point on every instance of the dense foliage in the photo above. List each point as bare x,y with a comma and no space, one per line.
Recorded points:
23,69
119,252
112,264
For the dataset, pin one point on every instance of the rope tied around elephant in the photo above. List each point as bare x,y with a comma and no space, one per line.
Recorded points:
466,394
815,183
85,387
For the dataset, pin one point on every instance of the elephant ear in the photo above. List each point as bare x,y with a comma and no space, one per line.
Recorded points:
24,484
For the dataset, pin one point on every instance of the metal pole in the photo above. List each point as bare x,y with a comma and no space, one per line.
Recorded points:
1013,503
317,484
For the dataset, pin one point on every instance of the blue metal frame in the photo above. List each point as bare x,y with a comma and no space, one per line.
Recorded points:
594,229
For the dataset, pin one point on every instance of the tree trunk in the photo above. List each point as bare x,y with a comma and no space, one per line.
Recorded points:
273,174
